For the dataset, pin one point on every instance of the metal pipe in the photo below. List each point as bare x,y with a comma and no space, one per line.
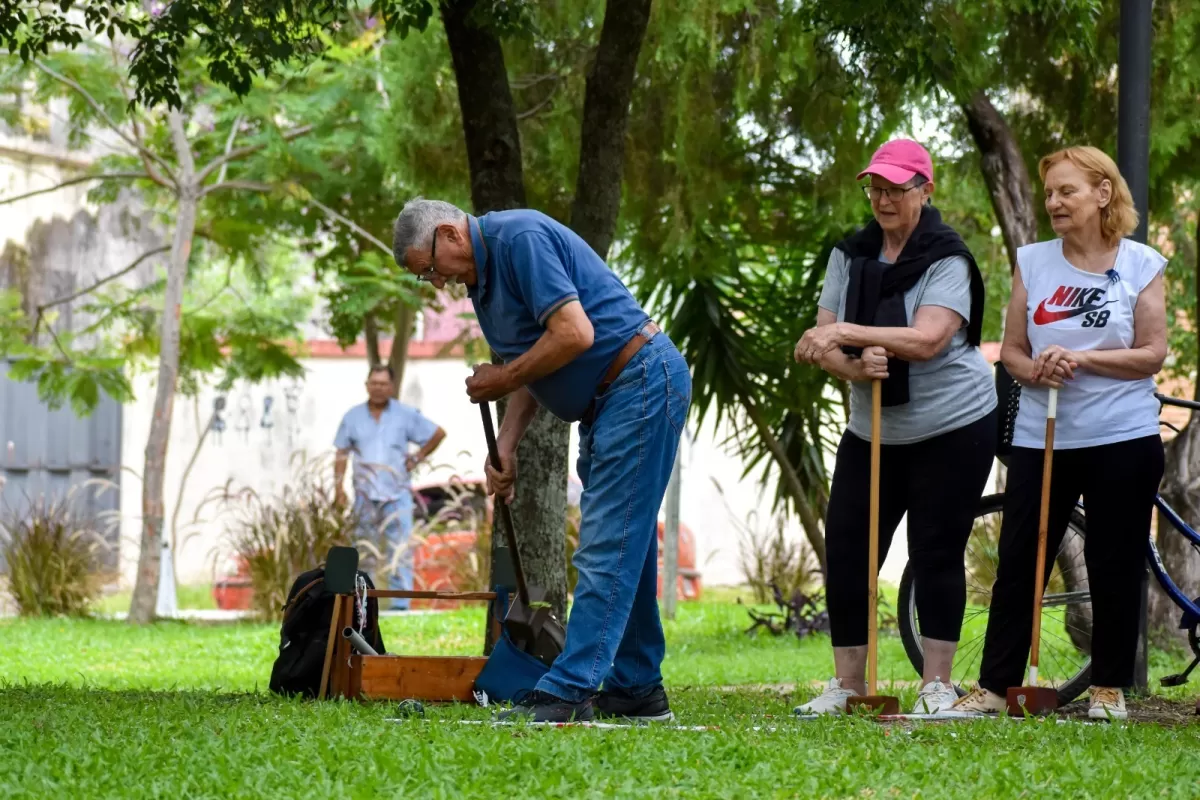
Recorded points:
1133,159
671,541
1133,104
358,642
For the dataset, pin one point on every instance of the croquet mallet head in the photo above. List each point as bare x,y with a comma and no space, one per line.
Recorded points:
1032,700
876,704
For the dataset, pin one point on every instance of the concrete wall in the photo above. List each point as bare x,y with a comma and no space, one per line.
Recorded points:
264,460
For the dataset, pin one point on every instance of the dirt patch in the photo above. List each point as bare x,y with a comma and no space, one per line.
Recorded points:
1158,710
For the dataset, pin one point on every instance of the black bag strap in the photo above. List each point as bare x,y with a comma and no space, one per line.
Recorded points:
295,601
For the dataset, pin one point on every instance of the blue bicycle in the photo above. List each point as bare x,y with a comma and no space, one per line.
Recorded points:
1067,606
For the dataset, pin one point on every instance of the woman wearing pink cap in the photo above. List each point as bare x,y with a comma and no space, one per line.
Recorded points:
903,302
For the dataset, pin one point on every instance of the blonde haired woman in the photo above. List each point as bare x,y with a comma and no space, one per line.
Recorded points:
1088,317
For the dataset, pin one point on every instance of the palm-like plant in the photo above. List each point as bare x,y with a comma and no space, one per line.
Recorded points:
736,325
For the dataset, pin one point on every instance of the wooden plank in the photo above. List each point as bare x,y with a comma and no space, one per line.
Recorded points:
415,595
436,679
330,645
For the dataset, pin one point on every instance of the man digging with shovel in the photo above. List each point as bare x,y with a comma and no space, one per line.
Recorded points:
573,340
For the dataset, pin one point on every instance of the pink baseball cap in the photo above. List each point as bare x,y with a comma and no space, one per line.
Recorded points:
899,160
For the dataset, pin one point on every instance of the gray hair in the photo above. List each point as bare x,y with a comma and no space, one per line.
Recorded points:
917,181
416,222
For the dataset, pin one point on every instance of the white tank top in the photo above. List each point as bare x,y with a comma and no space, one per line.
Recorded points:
1084,311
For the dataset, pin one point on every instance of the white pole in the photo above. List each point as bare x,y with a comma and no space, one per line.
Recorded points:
166,605
671,541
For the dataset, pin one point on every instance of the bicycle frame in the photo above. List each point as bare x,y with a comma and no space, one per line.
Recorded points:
1185,603
1191,610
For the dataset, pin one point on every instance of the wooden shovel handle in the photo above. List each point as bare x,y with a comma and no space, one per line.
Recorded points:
505,513
873,546
1043,534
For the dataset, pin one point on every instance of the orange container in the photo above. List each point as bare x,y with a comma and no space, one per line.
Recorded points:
687,578
436,564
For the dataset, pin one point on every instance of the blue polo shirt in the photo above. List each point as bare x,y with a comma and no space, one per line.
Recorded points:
381,447
529,266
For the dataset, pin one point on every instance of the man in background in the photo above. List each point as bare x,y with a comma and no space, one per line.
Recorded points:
380,433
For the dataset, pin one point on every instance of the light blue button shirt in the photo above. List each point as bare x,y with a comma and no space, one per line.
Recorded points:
381,447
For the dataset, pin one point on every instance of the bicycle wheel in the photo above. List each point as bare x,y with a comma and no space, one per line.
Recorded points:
1066,611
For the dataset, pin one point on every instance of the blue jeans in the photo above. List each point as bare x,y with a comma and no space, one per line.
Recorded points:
395,519
614,635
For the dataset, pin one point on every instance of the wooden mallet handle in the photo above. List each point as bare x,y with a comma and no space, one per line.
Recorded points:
873,546
1043,534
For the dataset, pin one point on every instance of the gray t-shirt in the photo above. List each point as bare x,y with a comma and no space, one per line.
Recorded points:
952,389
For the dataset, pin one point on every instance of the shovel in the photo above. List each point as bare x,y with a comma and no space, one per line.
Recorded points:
882,704
532,628
1034,699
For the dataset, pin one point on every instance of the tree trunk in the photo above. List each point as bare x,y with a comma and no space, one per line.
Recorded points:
1004,172
1181,479
498,182
145,590
812,526
539,511
371,336
605,121
489,117
398,358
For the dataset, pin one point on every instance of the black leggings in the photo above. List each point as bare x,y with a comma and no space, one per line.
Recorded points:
938,482
1118,483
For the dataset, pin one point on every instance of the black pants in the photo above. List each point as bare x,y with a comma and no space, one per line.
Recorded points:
938,482
1118,483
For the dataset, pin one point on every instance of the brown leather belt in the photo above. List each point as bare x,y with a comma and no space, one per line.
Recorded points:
644,334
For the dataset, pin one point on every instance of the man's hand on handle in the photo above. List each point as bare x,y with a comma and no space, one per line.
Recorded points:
502,483
488,382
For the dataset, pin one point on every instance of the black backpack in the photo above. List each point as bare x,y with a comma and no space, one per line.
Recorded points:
305,632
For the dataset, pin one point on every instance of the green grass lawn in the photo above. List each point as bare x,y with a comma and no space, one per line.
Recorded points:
92,708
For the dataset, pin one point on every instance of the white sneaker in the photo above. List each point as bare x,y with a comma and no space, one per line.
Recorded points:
1107,703
831,701
934,696
979,702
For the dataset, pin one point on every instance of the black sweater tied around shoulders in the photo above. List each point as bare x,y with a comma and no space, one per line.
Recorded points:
875,290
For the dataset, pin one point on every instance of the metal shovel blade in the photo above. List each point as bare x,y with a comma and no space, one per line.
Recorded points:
534,629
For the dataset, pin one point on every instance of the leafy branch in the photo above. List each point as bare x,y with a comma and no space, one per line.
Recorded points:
146,154
106,176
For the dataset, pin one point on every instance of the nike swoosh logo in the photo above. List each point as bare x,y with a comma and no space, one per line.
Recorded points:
1043,317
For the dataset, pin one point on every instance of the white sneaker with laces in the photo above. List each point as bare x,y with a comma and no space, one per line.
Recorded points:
934,697
831,701
978,703
1107,703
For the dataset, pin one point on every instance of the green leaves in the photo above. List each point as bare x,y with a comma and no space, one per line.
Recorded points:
63,375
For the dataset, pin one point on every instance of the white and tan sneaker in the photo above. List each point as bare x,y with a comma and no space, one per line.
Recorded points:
979,702
831,701
1107,703
934,697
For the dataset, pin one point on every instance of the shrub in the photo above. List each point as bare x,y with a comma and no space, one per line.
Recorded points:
279,536
772,564
454,506
52,558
